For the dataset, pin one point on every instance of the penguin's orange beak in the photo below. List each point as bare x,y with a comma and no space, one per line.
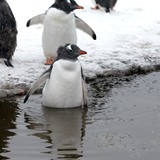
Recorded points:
82,52
79,7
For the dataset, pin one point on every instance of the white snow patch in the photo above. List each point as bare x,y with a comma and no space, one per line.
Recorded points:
129,35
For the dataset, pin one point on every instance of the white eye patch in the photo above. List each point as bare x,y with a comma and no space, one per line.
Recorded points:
69,47
68,1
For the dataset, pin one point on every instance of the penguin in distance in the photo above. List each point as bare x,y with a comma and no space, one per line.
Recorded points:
107,4
8,33
65,85
60,25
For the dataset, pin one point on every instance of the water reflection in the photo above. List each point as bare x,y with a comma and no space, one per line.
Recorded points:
8,115
67,131
62,130
122,123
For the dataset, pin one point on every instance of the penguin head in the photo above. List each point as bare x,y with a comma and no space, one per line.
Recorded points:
69,52
66,6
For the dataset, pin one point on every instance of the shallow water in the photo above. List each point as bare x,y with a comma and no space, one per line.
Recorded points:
121,123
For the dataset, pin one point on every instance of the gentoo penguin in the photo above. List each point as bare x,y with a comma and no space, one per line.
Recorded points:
107,4
65,85
8,33
60,27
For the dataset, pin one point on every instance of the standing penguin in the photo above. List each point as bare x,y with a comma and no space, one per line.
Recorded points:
8,33
65,86
107,4
60,27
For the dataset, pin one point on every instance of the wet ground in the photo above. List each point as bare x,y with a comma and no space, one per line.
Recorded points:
122,122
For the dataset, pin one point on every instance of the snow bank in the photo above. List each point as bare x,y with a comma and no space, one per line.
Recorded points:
126,37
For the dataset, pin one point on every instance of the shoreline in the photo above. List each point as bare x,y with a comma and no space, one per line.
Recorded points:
21,88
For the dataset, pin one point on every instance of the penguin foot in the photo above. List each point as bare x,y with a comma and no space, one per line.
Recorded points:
8,63
49,61
95,8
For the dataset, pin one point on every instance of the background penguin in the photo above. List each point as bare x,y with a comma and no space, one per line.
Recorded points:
65,86
107,4
60,27
8,33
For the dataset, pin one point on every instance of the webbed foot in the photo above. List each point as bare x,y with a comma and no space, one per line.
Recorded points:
49,61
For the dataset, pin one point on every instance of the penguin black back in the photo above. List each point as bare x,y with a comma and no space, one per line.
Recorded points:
8,33
107,4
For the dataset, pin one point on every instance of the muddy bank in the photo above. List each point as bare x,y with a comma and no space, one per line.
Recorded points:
11,92
112,77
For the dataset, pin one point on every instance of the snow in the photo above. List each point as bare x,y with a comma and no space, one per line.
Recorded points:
128,36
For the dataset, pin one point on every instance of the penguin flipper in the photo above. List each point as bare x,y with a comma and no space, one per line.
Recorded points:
38,19
39,81
80,24
84,91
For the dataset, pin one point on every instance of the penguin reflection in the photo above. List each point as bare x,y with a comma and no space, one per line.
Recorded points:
67,128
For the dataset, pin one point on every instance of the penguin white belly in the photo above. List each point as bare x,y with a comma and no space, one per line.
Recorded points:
59,29
64,88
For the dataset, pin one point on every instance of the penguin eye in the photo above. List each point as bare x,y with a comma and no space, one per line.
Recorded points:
70,50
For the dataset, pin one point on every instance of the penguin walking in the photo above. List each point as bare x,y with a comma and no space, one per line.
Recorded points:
60,27
107,4
8,33
65,85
